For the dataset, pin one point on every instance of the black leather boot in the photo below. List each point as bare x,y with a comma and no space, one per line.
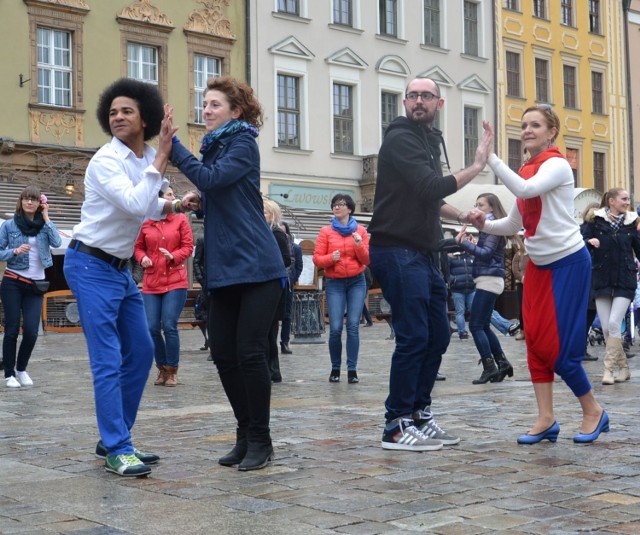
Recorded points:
259,453
504,367
490,372
237,454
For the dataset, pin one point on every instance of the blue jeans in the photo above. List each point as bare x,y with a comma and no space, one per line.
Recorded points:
350,293
500,323
413,286
486,341
163,311
18,299
120,347
462,303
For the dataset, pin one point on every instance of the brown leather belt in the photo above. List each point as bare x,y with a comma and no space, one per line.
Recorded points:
12,275
116,262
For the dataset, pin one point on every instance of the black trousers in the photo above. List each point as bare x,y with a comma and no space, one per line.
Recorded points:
240,318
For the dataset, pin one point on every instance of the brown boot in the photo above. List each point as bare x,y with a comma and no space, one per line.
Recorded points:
162,376
172,376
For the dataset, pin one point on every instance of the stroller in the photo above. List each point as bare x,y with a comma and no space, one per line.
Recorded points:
595,335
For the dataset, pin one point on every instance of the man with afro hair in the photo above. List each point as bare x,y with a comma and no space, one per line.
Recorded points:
121,185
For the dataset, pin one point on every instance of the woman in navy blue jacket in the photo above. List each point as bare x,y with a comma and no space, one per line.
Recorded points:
488,273
245,273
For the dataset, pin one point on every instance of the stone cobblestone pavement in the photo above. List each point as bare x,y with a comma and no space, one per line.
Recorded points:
330,474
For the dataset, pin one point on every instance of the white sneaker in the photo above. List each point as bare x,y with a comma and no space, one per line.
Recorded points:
11,382
24,379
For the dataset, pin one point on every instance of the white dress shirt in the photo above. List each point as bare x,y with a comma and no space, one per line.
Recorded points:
121,192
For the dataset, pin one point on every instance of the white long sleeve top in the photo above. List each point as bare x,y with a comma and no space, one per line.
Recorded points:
557,233
121,192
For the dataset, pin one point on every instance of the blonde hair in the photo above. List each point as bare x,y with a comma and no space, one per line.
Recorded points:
273,209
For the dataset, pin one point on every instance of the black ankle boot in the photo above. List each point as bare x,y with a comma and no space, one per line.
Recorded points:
490,372
259,453
504,367
352,377
237,454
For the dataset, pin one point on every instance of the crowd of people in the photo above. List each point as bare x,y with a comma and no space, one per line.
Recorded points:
247,263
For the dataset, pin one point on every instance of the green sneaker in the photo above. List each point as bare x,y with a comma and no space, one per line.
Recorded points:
146,458
126,465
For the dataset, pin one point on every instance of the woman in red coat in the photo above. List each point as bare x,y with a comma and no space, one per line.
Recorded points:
342,249
162,249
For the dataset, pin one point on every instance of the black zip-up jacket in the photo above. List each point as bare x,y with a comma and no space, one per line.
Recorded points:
613,264
409,189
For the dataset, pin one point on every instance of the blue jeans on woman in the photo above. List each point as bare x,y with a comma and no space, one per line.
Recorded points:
163,312
350,293
18,299
485,339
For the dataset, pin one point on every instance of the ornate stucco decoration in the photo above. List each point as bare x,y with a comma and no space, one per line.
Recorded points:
210,20
59,125
79,4
144,11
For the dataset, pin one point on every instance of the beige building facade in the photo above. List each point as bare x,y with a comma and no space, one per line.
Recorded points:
60,55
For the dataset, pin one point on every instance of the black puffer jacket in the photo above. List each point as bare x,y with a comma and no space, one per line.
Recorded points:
614,267
461,273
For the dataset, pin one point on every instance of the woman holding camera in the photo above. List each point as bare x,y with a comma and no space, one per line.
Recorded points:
25,243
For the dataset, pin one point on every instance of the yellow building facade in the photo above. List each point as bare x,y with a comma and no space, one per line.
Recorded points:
569,54
59,55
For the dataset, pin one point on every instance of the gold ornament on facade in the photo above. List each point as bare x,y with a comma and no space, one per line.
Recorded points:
144,11
56,124
210,19
81,4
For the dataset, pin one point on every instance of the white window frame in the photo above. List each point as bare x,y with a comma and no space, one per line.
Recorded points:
200,77
56,92
299,80
571,61
479,30
441,21
137,62
516,48
303,8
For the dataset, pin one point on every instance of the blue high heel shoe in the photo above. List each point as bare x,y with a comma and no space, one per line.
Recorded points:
602,427
551,434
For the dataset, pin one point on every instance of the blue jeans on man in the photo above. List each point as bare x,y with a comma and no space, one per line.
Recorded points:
414,288
462,303
348,293
163,311
500,323
120,346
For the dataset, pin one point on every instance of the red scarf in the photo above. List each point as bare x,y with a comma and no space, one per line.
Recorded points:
531,209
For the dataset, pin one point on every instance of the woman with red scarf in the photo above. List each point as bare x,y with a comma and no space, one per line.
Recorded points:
556,288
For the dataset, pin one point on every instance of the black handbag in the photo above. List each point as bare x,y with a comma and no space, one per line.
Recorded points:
40,287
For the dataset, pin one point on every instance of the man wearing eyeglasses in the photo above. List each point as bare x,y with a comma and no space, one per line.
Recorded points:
405,233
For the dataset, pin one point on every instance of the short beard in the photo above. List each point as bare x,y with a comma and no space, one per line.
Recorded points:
426,119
